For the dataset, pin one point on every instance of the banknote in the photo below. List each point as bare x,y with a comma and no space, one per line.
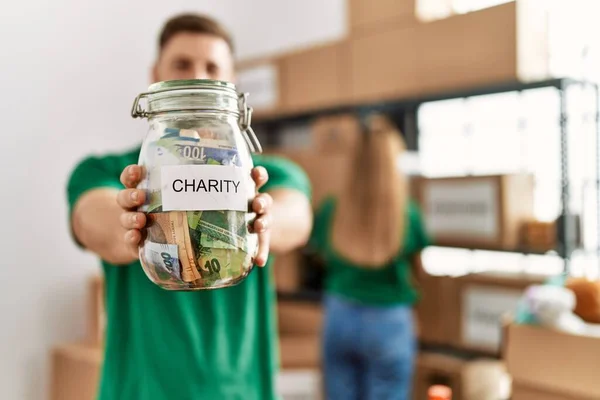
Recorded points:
172,228
228,227
199,255
217,265
193,151
208,136
164,258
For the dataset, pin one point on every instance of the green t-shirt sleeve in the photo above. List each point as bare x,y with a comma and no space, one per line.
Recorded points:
418,230
283,173
90,173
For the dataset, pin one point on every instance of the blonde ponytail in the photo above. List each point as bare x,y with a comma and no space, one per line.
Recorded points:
369,222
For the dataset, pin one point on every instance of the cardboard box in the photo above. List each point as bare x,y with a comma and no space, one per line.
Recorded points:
75,372
335,134
468,50
300,351
483,299
538,235
97,310
375,15
415,59
299,318
521,392
327,173
262,79
558,364
315,78
384,65
484,212
437,310
479,379
288,272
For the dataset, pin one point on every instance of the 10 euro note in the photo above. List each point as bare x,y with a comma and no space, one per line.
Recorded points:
220,265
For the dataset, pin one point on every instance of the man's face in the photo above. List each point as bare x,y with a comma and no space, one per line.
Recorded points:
194,56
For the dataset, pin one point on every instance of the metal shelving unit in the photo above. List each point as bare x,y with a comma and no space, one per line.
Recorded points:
404,112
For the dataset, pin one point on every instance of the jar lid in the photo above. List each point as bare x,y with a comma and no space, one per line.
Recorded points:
188,95
196,83
201,96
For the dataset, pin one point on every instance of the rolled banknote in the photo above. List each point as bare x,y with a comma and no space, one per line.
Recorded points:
172,228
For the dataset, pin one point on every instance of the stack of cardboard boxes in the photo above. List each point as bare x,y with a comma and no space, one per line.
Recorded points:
550,365
75,367
460,329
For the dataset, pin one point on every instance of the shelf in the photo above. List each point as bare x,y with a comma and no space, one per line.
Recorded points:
553,252
303,295
414,101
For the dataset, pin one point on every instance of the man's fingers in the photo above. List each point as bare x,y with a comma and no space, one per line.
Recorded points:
131,176
130,198
260,176
133,237
263,248
133,220
262,203
262,223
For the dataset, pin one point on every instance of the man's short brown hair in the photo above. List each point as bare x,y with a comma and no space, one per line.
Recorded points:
194,23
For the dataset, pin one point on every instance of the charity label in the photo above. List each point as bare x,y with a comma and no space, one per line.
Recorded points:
203,188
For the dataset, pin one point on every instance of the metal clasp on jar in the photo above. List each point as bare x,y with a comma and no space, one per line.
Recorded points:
245,120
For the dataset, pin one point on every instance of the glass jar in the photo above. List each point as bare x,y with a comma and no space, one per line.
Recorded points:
197,163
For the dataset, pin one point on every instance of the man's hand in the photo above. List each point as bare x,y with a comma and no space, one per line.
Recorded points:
261,205
130,199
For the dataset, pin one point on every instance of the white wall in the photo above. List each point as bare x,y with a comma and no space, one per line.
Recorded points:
69,72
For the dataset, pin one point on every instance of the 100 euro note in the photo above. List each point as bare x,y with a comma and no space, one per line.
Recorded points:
164,260
208,136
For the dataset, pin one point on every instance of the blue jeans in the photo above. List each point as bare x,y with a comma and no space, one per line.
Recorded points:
368,351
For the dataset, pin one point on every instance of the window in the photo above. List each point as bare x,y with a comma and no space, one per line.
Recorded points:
430,10
509,133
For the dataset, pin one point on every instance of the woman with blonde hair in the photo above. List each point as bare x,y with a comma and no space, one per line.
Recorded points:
369,239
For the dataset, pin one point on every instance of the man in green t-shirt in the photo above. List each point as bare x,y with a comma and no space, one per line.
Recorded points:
160,344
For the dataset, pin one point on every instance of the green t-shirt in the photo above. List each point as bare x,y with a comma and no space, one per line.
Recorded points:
391,284
219,344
